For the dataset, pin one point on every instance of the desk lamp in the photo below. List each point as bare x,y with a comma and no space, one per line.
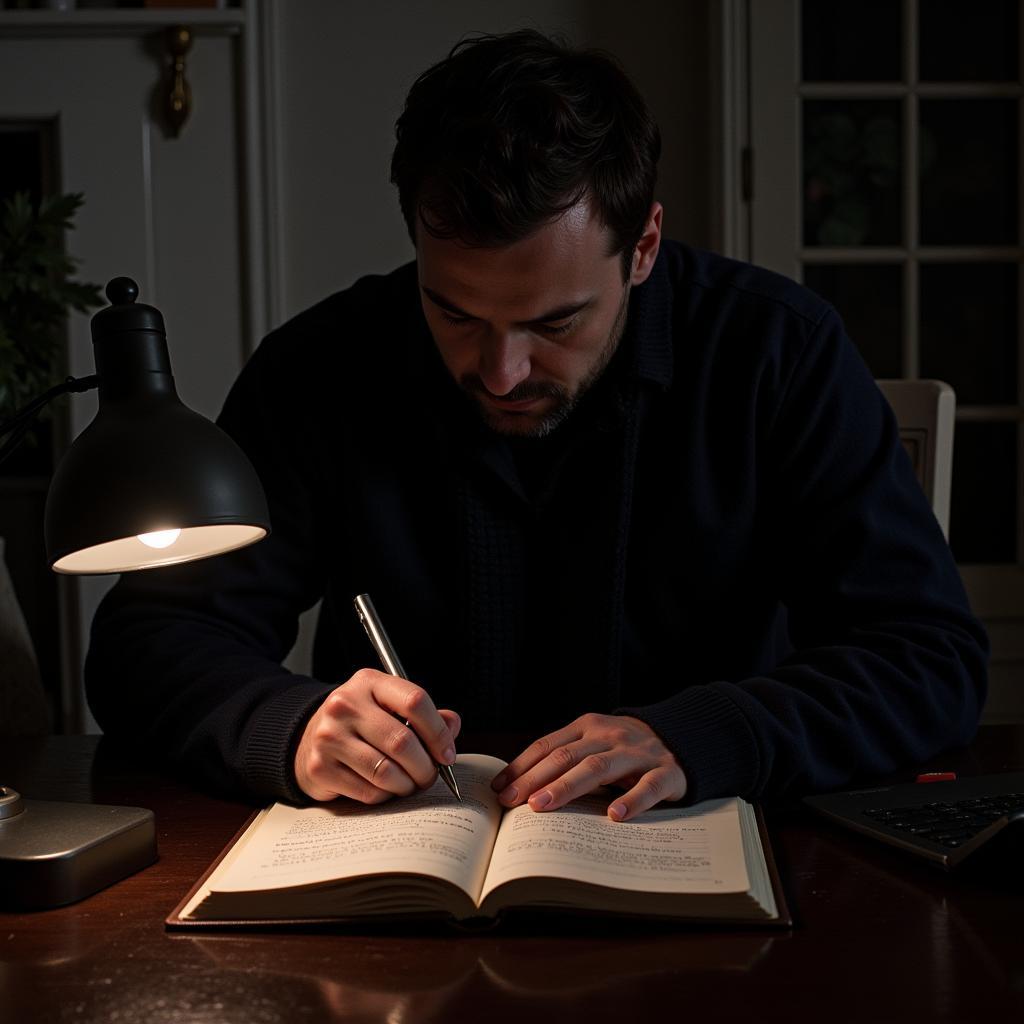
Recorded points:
148,483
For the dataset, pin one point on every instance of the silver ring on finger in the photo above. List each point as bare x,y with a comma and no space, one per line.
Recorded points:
376,767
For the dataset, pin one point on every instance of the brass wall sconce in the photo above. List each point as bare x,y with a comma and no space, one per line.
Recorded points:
178,100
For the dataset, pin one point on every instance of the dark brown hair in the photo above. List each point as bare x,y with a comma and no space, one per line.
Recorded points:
510,131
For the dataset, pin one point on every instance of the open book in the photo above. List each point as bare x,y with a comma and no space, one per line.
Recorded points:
428,855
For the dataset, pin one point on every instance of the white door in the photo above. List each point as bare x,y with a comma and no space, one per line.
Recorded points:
165,211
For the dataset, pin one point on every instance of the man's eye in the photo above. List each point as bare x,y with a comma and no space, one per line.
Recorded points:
455,321
553,330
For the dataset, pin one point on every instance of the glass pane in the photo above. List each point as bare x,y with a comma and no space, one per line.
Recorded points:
983,510
869,298
968,152
851,40
978,44
852,163
969,330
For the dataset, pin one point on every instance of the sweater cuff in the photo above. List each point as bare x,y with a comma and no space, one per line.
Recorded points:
268,761
710,737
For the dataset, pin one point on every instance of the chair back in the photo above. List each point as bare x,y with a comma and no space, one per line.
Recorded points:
925,411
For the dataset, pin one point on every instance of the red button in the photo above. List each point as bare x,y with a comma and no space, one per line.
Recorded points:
936,777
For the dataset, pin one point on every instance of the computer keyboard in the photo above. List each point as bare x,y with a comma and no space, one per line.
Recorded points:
945,822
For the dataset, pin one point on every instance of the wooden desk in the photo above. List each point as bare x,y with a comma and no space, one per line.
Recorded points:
879,937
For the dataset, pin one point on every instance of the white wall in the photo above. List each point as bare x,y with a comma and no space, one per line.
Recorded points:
344,69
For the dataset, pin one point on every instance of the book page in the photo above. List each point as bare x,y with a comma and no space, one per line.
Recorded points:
428,833
674,849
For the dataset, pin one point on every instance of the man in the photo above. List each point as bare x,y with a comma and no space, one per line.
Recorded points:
638,500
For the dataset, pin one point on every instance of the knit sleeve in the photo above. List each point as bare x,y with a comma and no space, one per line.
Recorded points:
888,665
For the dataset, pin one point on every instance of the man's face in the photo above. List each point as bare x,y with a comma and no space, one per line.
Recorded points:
526,328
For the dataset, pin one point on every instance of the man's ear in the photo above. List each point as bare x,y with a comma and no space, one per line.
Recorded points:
646,251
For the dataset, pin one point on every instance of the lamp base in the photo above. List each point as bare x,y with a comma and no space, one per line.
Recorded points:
53,853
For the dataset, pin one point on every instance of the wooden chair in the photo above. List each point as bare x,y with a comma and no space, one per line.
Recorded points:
925,411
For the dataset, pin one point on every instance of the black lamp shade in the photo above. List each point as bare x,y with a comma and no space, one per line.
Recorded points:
146,463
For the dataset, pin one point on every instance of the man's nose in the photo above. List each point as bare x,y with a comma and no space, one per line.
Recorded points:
504,362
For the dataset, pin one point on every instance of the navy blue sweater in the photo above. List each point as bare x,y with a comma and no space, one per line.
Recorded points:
725,539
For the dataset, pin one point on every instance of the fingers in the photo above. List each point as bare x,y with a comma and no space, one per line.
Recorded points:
654,786
594,751
374,736
553,756
569,772
409,767
328,779
453,721
413,705
535,753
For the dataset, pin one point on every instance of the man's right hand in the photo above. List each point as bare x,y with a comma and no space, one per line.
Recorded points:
355,746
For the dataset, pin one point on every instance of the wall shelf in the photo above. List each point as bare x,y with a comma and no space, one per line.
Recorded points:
120,21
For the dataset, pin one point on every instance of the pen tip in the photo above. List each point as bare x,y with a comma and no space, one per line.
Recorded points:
449,777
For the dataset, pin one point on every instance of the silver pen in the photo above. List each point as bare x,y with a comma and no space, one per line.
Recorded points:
389,658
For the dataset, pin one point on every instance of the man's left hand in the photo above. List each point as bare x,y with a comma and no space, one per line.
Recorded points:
594,751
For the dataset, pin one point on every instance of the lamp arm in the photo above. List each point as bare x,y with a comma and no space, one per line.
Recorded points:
18,425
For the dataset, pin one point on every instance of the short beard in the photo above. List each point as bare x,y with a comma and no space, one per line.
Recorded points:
565,400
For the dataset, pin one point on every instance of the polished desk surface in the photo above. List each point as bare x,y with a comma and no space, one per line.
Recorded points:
878,936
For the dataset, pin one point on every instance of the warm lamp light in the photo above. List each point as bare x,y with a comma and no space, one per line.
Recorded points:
160,539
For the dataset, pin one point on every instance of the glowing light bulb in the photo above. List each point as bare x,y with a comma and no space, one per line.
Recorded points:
159,539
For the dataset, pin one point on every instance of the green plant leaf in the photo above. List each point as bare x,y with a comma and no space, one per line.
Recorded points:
36,292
